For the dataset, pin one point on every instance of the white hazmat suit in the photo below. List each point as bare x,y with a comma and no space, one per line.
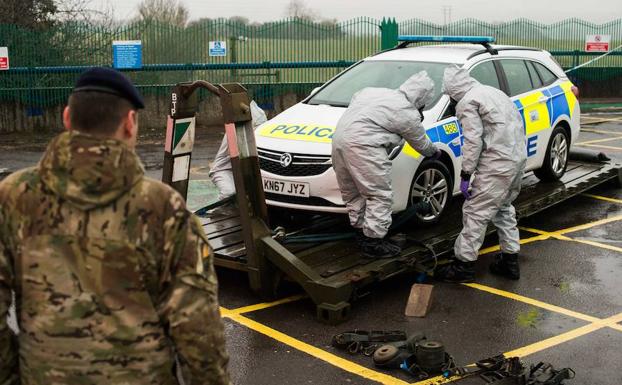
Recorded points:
375,122
494,153
220,173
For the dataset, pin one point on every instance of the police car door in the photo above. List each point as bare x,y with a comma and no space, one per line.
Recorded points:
525,88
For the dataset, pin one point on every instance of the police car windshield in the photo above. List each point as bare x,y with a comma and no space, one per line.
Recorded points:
374,73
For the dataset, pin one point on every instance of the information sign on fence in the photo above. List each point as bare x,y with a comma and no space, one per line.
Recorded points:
597,43
4,58
127,54
218,48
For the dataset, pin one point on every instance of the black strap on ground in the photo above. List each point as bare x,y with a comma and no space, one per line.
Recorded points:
366,342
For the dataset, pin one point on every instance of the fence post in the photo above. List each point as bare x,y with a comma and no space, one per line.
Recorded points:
388,33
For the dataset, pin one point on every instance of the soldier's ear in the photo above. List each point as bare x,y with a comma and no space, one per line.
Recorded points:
66,119
130,126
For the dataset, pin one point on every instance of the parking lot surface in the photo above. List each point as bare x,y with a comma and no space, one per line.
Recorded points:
566,309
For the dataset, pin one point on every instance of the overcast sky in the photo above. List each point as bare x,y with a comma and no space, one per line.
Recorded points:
489,10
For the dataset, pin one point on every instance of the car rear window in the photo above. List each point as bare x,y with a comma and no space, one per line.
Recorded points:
547,76
374,73
535,78
517,76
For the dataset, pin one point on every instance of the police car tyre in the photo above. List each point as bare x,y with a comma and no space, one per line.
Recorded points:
432,183
556,157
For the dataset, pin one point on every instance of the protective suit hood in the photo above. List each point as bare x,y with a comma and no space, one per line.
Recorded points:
418,89
457,82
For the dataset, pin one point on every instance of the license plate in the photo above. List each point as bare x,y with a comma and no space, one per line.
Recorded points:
284,187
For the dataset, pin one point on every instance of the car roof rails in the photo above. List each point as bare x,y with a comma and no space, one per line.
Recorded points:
406,40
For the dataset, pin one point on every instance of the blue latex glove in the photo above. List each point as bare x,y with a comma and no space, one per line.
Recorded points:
464,188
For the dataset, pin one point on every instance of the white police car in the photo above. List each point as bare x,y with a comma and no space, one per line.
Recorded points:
294,147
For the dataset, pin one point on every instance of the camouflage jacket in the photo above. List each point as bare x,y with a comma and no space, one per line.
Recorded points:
112,275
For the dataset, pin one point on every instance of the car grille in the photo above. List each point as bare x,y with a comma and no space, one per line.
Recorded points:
311,201
301,165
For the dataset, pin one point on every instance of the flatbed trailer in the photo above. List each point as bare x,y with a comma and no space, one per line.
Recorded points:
319,255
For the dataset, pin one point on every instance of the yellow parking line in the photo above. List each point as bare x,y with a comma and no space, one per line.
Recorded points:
492,249
597,244
313,351
437,380
553,341
602,198
601,146
588,225
596,131
546,234
266,305
599,140
601,120
533,302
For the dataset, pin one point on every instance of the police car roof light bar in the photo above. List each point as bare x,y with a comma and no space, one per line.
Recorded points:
405,40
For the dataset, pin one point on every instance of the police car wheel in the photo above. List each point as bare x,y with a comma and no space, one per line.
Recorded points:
432,184
556,158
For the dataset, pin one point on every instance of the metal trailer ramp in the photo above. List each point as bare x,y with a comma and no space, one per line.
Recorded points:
334,273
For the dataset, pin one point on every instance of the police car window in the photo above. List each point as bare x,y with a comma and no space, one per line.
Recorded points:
374,73
535,78
517,75
485,73
547,76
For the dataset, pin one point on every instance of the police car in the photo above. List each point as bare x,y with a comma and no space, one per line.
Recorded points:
294,147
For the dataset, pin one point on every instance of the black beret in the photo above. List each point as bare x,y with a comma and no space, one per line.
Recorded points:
110,81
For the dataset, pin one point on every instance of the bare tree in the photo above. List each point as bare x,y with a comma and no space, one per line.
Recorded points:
163,11
28,13
85,11
239,20
299,9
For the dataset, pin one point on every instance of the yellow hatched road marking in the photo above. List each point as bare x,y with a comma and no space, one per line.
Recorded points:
311,350
266,305
602,198
533,302
492,249
600,131
601,146
597,244
589,225
601,120
553,341
599,140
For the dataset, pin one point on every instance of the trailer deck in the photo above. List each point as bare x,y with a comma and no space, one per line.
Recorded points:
334,273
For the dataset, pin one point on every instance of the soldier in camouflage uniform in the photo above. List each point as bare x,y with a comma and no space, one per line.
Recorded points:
113,277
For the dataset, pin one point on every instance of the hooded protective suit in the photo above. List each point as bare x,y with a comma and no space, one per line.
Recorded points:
374,123
220,173
494,152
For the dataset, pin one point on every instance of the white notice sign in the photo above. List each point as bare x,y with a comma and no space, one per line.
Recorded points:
218,48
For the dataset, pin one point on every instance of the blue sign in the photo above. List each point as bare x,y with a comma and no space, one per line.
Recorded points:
218,48
127,54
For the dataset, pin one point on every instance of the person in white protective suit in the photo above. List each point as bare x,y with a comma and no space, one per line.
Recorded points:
493,155
376,121
220,173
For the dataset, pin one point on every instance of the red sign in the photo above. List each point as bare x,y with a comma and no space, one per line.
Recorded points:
4,58
597,43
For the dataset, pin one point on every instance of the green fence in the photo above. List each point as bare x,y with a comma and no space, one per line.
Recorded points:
272,58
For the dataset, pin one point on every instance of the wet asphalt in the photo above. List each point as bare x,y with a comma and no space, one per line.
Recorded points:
570,281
